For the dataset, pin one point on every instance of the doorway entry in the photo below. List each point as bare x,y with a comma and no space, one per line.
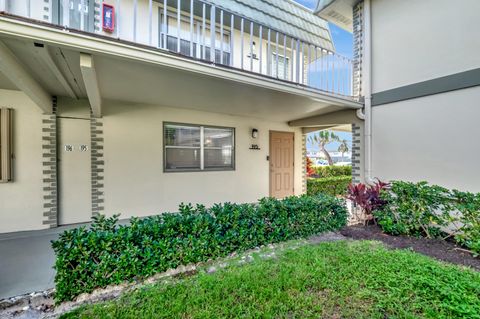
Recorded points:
281,164
74,170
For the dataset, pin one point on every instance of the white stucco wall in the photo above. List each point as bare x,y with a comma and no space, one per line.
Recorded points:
414,41
21,201
432,138
135,183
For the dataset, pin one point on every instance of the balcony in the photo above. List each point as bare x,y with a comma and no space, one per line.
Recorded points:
216,35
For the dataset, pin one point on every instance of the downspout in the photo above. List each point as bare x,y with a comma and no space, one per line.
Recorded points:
366,115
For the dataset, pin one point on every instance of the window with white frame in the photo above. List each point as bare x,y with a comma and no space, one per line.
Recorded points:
6,145
281,68
200,39
190,147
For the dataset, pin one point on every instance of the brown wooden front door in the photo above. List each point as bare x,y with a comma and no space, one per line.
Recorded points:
281,164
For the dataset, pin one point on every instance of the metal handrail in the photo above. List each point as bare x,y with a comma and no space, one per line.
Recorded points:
267,51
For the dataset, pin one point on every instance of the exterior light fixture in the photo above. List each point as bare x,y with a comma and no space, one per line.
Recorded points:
253,55
254,133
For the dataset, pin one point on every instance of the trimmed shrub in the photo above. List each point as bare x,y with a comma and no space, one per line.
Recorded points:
331,171
334,186
107,253
420,209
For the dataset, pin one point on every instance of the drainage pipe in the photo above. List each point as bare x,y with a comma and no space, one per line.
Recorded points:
366,115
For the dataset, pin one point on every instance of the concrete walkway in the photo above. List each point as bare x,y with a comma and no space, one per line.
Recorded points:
26,261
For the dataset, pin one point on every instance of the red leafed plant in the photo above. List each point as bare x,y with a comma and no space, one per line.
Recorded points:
367,197
310,169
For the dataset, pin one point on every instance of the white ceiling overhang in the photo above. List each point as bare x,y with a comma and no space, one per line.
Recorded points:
127,73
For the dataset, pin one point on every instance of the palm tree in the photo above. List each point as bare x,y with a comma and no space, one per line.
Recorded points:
343,147
322,138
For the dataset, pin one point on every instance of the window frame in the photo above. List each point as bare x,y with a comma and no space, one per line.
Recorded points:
199,52
273,66
6,151
202,149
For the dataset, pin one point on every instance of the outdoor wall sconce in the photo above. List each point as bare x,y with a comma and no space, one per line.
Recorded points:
254,135
253,55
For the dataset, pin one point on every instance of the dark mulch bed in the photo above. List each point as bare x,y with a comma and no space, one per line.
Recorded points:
435,248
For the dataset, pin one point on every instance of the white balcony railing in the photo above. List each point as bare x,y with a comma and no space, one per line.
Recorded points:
203,31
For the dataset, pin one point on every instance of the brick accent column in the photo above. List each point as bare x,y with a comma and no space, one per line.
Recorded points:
47,10
97,18
304,163
356,153
97,165
49,167
357,49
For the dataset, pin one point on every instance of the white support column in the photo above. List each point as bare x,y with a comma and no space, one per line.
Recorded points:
18,75
91,83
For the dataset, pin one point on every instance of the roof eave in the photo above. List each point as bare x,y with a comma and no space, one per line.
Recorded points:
338,12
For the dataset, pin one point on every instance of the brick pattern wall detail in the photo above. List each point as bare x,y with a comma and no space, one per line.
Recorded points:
356,155
304,163
47,10
97,165
49,167
97,16
357,49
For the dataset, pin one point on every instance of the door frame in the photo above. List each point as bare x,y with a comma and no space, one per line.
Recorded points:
270,159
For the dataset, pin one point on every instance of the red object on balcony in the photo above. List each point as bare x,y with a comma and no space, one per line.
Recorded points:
108,18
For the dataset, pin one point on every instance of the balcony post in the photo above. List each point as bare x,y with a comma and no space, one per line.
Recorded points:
82,15
285,57
292,43
260,57
221,36
150,22
66,13
179,19
269,66
251,46
212,34
117,17
241,42
232,26
135,7
204,29
276,54
191,28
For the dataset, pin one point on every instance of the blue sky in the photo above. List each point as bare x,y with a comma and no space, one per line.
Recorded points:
343,45
332,146
341,38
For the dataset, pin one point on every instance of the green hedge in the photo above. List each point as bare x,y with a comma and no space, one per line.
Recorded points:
420,209
107,253
334,186
332,171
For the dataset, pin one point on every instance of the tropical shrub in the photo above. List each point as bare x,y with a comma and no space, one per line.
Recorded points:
310,169
420,209
108,253
335,186
368,198
331,171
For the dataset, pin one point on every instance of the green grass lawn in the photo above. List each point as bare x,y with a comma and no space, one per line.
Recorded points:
329,280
